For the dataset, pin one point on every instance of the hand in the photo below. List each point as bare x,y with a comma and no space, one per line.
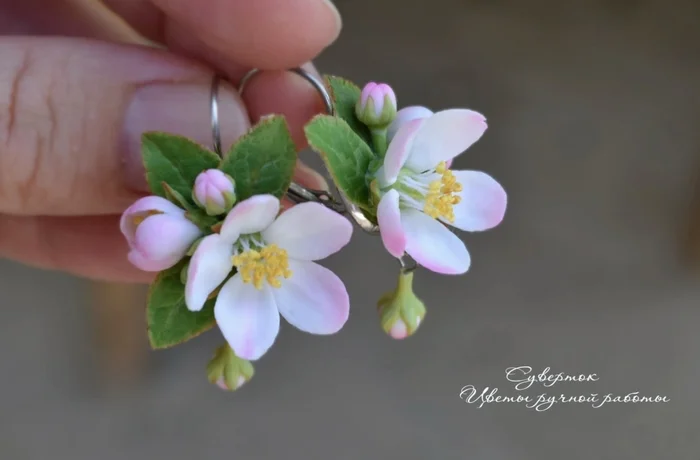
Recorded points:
73,106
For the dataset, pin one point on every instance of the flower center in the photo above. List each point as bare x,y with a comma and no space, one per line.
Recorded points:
441,198
434,192
258,262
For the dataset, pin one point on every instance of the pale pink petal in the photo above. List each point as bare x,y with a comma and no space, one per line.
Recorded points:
209,267
309,231
398,152
162,236
141,208
389,219
405,115
143,263
250,216
433,245
483,203
399,330
443,136
248,318
313,299
366,91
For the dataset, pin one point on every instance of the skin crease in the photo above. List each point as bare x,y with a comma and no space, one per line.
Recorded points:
230,36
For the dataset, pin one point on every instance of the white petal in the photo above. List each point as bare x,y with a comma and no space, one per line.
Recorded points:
433,245
250,216
309,231
483,203
443,136
389,219
405,115
313,299
248,318
209,267
398,152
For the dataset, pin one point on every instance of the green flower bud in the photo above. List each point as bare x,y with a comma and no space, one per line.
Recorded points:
228,371
400,311
376,107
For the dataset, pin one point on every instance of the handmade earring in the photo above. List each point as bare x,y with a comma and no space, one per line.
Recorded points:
227,256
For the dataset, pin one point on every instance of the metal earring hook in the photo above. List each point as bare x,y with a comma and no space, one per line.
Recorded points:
296,192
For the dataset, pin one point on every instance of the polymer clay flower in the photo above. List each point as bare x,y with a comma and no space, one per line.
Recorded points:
158,233
214,191
419,193
276,273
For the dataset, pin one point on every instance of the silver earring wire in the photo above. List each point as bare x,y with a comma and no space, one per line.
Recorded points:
214,103
296,192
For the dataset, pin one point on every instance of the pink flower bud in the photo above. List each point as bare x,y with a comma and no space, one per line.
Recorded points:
400,311
214,191
158,233
377,105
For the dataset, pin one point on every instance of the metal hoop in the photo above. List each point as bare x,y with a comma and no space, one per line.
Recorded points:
215,128
315,82
296,192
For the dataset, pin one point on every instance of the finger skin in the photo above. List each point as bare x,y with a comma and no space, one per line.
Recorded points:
63,104
90,247
267,34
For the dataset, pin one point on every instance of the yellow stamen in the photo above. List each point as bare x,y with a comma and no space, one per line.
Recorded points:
441,198
139,218
268,264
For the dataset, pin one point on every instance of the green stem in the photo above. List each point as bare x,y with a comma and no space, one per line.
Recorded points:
379,141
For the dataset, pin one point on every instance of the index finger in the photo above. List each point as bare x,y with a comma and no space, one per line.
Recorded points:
267,34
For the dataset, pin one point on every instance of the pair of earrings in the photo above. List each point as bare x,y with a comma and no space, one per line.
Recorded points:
228,253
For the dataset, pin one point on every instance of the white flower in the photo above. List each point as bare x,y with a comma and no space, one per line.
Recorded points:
419,192
276,274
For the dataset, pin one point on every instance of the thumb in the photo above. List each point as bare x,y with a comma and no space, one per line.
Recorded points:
71,117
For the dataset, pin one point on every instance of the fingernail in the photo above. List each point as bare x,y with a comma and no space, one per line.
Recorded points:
181,109
336,13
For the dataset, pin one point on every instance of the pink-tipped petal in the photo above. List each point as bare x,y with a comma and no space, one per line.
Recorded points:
163,236
399,330
141,207
366,91
405,115
398,152
313,299
309,231
389,219
433,245
443,136
483,203
141,262
250,216
209,267
248,318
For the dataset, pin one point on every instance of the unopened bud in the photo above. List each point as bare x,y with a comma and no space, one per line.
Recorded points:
214,191
376,107
400,311
228,371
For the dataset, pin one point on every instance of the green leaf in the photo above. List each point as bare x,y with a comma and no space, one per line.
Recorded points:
262,161
169,320
196,215
175,160
346,155
345,95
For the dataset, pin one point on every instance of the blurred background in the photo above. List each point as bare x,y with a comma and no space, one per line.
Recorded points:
593,112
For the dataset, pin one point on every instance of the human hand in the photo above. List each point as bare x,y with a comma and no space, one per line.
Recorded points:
79,83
